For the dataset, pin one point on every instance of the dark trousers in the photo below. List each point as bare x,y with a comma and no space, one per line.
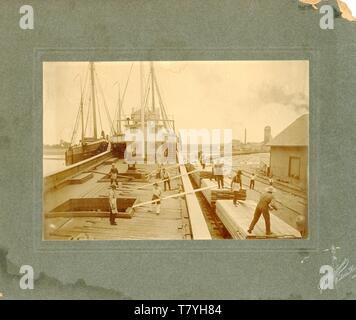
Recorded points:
266,216
220,180
112,181
167,183
112,217
252,184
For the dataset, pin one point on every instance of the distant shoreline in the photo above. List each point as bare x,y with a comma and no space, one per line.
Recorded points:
53,151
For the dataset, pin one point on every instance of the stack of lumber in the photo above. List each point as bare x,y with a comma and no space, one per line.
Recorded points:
237,221
214,194
200,174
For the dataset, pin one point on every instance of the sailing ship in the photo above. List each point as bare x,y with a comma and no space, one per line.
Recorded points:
88,146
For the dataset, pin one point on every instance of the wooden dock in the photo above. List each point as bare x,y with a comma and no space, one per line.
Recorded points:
173,223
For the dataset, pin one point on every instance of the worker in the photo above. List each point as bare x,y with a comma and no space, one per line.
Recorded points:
166,179
113,174
265,204
157,192
113,204
252,182
212,170
219,174
159,172
270,180
202,160
236,186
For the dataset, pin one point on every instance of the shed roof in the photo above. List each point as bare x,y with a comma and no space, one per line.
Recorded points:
296,134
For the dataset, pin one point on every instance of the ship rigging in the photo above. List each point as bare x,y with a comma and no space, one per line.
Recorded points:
89,145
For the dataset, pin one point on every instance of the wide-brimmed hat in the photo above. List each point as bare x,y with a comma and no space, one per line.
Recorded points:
155,184
270,189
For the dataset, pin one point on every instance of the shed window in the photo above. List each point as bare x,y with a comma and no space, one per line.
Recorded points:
294,167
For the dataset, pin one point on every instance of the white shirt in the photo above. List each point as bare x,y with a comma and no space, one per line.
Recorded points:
157,192
112,200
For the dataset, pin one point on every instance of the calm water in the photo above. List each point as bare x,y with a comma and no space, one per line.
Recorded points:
53,163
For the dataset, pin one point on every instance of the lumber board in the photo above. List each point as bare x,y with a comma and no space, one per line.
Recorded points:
87,214
237,221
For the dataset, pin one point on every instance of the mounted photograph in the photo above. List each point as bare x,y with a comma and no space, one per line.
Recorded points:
175,150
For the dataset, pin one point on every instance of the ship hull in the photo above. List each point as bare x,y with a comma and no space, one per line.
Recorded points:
118,149
79,153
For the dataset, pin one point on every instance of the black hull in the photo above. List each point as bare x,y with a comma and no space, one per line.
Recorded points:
80,153
118,149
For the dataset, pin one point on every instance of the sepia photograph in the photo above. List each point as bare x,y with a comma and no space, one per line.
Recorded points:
175,150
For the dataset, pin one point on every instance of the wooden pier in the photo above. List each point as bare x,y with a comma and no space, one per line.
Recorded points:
76,205
236,220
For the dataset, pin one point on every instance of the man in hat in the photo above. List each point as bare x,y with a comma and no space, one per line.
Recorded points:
113,174
167,179
236,186
157,192
113,205
265,203
219,174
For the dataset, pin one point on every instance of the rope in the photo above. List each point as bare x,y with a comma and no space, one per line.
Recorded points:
163,109
75,126
97,99
87,121
75,129
106,108
124,93
147,92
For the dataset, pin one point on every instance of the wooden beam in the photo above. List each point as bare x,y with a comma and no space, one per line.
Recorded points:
198,225
170,196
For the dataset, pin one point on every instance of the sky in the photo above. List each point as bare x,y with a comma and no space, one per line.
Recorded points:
198,94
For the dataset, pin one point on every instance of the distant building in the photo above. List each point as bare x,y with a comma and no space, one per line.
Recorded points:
289,153
268,135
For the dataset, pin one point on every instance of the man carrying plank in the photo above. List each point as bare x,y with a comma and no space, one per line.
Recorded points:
265,203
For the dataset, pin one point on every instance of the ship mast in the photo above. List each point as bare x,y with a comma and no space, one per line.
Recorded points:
91,64
82,114
119,113
142,98
153,88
